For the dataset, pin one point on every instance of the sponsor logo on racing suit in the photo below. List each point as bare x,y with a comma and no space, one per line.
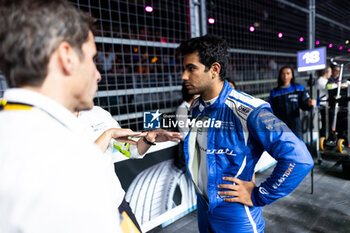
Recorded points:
284,176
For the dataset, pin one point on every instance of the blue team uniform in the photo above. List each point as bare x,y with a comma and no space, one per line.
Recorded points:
286,102
247,128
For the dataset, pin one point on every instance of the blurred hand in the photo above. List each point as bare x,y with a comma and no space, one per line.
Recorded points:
123,135
312,102
160,135
344,85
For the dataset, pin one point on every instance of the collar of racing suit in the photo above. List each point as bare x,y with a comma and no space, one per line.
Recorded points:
220,100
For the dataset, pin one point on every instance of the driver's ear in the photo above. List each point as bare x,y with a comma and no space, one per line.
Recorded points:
215,69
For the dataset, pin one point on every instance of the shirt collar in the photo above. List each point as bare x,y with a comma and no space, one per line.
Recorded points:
187,105
211,101
53,108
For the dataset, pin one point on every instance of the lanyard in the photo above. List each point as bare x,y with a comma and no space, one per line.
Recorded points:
4,105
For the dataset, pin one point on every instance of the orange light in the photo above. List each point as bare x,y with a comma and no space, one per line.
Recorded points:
154,59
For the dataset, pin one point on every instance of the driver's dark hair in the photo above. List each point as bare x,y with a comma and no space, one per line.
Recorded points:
30,32
210,49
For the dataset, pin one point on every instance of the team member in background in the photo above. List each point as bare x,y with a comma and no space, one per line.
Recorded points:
321,88
53,178
288,98
321,82
335,74
221,157
342,115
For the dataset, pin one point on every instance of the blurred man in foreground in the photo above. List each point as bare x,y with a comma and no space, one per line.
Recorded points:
53,179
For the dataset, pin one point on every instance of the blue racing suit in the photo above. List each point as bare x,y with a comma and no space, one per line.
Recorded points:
244,128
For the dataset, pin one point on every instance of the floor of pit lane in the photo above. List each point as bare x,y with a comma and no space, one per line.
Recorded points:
326,210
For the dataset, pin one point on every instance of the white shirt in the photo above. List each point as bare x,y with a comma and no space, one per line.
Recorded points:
182,115
202,140
321,85
95,122
52,178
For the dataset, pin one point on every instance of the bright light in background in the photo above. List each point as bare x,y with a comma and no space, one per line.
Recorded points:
251,28
347,42
340,47
317,42
154,59
256,24
211,20
149,9
330,45
301,39
280,35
